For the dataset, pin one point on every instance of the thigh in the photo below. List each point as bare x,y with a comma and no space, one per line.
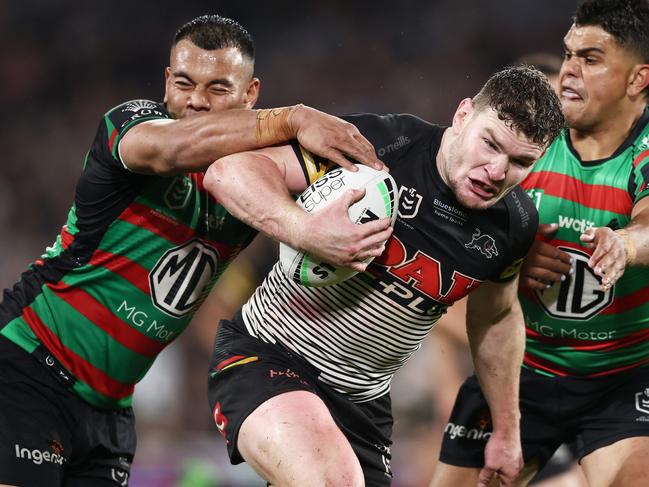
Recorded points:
292,440
244,373
273,412
35,437
614,430
621,464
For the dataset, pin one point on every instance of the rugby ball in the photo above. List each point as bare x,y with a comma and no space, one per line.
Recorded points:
380,201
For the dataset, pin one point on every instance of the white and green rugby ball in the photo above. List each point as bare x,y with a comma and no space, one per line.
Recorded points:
380,201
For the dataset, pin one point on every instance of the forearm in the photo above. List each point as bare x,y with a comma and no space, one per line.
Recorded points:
191,144
636,238
497,349
254,190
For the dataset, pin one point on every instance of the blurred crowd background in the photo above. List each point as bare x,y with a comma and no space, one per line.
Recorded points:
64,63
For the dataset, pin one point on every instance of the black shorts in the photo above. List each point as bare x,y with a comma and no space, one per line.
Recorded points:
245,372
594,412
51,437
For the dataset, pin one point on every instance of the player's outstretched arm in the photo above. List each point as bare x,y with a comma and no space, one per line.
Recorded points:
256,188
497,338
168,147
613,250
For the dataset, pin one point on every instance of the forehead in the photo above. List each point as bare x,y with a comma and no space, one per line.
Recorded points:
512,141
590,37
192,60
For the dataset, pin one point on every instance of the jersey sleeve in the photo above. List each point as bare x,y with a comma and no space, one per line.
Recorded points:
523,223
117,122
639,181
313,166
393,134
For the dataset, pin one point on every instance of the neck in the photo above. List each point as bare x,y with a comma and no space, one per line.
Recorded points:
442,154
602,140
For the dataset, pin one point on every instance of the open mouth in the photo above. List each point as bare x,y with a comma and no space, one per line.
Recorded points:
570,94
484,190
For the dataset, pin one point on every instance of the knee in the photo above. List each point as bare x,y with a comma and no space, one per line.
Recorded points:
330,460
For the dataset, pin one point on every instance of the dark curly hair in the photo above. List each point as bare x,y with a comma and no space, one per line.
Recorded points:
523,98
212,32
626,20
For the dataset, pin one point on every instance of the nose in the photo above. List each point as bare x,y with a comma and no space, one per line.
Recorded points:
198,100
569,67
497,168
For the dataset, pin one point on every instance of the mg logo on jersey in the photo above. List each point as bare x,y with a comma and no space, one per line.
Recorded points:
179,277
483,243
409,202
579,296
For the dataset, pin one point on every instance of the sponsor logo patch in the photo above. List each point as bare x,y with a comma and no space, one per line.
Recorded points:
484,243
409,201
179,278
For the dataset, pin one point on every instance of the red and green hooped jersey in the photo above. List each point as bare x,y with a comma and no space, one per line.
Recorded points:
573,328
136,257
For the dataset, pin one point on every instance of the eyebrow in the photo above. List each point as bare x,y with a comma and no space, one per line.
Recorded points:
584,51
219,81
522,159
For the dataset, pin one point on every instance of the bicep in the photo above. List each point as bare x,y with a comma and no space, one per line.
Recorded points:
141,149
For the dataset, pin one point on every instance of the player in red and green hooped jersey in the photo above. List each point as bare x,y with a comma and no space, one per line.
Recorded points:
143,244
585,282
577,326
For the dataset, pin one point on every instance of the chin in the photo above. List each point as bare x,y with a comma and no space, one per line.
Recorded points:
473,202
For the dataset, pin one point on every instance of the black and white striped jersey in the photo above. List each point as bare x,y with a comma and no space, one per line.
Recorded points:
358,333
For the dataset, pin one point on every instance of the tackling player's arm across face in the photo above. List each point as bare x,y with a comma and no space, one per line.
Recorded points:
497,340
168,147
256,188
209,94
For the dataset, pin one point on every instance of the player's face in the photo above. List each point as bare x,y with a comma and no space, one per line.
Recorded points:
594,76
200,81
486,157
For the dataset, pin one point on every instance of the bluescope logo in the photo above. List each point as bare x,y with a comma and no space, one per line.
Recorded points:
179,277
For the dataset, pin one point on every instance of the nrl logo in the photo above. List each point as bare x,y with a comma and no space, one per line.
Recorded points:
409,202
642,401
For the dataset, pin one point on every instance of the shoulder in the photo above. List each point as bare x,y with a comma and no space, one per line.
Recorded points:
393,135
130,112
515,219
523,217
391,122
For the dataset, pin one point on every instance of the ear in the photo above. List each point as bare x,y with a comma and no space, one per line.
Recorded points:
252,93
167,78
638,80
462,114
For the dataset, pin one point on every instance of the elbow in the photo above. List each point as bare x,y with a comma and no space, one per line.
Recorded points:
215,176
